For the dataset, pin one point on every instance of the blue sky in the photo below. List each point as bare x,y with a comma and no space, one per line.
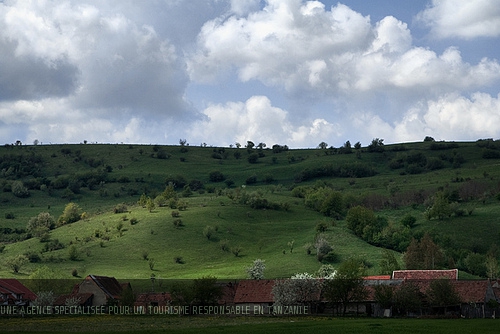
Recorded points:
224,71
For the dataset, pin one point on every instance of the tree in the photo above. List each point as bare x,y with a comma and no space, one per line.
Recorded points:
407,298
256,270
73,253
384,295
322,247
19,190
358,218
250,145
377,145
423,254
72,213
440,208
208,231
17,262
442,294
347,285
323,145
206,291
41,224
389,263
299,289
150,204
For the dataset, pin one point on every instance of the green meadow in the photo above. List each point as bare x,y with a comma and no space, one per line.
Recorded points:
397,181
132,324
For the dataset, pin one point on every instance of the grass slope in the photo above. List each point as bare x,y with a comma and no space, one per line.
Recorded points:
265,234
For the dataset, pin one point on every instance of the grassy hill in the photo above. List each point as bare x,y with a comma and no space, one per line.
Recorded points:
394,181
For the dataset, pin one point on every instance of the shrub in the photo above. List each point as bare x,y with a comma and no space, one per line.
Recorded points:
321,227
251,179
145,255
16,263
178,223
253,158
151,263
133,221
409,221
74,272
178,259
120,208
236,251
208,231
73,253
19,190
224,245
216,176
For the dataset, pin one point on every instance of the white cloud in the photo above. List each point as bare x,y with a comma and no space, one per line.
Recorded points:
244,7
452,117
462,18
323,53
257,120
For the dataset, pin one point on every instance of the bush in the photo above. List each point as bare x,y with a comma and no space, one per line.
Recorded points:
251,179
19,190
409,221
216,176
178,223
330,257
208,231
120,208
253,158
178,259
73,253
236,251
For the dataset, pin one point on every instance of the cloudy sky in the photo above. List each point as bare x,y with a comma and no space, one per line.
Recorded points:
223,71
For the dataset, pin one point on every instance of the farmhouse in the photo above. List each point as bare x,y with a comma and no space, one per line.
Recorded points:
13,292
105,290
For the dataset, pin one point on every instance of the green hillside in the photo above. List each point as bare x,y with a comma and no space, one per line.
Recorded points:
262,203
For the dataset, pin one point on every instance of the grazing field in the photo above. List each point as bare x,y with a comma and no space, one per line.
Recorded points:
235,205
246,325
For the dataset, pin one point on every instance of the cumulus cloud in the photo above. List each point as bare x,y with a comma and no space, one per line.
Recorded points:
258,120
303,47
452,117
462,18
98,64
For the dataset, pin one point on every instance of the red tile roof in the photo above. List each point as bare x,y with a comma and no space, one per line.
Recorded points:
471,291
10,286
377,278
425,274
254,291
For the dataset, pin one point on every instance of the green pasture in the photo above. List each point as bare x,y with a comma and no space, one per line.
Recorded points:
264,234
156,324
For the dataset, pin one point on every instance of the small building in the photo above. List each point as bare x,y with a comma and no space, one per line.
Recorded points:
256,294
105,290
13,292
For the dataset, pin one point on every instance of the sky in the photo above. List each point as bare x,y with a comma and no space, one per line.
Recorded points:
220,72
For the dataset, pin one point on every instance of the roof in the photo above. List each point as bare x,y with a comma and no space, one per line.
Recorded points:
471,291
425,274
109,285
10,286
254,291
377,278
153,297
